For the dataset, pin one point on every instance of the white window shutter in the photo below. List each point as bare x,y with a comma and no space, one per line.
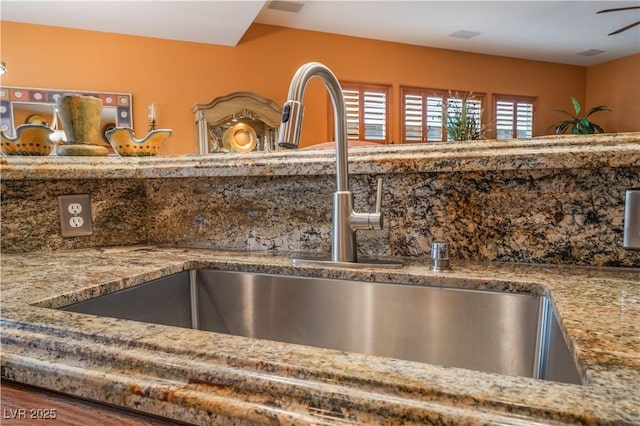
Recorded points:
375,115
413,115
352,105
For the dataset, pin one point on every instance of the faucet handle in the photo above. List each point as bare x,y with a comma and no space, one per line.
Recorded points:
365,220
379,196
375,219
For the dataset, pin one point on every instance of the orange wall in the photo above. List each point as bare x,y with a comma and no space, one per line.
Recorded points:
616,84
176,75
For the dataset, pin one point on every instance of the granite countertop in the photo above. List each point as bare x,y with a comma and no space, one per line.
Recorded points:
203,378
548,152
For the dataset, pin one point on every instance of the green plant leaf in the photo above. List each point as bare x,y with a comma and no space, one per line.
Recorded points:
576,105
584,123
563,126
565,112
597,109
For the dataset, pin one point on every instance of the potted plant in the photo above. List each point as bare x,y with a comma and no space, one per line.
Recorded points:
579,125
463,119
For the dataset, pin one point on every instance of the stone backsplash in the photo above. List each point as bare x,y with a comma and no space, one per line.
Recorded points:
30,218
542,216
559,204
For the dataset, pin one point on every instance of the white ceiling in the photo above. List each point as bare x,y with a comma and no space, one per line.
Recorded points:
553,31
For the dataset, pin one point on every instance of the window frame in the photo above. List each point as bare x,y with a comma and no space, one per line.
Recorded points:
362,88
445,95
514,100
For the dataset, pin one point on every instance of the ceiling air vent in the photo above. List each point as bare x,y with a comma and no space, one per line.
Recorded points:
590,52
285,6
464,34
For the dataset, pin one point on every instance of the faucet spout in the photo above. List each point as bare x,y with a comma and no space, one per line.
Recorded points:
345,221
293,111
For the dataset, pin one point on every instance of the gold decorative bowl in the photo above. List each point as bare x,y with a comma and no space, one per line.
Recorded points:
30,139
125,143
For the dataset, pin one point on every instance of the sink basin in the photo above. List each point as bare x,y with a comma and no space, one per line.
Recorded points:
505,333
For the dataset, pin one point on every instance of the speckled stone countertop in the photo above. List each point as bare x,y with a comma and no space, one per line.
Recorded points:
210,378
548,152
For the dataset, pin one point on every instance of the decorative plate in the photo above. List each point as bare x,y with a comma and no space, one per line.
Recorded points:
240,138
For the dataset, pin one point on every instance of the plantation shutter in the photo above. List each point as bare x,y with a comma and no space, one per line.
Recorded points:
513,117
367,111
422,118
352,104
524,120
423,113
435,125
505,119
413,118
474,109
375,115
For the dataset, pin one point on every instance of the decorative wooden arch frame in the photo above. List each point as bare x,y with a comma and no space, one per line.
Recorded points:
212,119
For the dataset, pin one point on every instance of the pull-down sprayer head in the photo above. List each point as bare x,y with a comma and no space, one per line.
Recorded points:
291,124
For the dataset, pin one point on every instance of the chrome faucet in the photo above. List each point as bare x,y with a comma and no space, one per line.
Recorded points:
345,220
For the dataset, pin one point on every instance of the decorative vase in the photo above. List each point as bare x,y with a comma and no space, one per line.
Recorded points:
30,139
125,143
80,117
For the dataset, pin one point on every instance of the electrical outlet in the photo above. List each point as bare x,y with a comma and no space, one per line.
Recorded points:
75,215
74,208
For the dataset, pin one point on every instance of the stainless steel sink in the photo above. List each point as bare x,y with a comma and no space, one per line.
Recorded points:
505,333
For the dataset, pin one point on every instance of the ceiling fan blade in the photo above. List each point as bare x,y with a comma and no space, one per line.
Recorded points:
618,8
625,28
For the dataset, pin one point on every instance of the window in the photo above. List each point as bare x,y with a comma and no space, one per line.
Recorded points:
513,116
367,110
423,113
